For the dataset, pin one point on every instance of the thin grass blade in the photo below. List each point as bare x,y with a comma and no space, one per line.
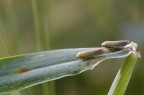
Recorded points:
123,76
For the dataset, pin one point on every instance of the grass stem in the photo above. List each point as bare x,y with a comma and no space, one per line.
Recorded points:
123,76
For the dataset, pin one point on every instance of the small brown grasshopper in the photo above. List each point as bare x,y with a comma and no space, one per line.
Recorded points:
115,45
88,54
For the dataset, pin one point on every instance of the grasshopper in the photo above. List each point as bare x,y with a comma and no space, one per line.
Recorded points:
115,45
88,54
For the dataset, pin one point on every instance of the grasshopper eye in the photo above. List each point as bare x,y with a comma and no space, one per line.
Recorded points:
115,44
88,54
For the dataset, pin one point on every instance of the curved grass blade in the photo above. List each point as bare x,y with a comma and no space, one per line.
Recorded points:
123,76
22,71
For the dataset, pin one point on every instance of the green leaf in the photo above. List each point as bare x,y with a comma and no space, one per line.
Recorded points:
22,71
123,76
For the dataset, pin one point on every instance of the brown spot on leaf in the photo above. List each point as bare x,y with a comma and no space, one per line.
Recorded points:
91,62
22,70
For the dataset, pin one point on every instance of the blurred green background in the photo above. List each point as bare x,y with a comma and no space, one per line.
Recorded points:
34,25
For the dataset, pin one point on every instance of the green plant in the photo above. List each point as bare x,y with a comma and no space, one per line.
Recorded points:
22,71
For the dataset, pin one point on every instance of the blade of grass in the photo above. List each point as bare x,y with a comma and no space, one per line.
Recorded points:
37,28
47,36
123,76
3,40
13,23
46,66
